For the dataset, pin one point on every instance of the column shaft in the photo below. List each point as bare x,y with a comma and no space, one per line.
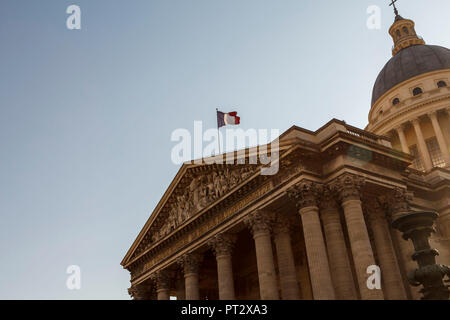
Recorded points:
422,145
319,269
337,252
390,271
225,277
259,223
190,263
440,138
401,135
361,247
444,221
162,280
286,265
222,245
163,294
266,267
192,288
180,290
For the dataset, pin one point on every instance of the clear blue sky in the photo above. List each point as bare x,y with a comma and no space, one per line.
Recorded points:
86,116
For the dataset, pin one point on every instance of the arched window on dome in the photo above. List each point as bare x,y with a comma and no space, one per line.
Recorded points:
396,101
441,84
405,30
417,91
398,33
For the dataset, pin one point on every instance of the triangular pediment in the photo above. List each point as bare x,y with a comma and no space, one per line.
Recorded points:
194,188
197,186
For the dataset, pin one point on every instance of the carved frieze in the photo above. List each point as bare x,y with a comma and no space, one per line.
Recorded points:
195,193
150,260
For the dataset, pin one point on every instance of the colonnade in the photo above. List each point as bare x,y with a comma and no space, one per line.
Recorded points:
339,251
421,143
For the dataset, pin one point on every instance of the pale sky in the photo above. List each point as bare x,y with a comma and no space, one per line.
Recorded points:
86,115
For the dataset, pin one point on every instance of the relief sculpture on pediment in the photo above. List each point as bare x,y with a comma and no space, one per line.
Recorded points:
198,194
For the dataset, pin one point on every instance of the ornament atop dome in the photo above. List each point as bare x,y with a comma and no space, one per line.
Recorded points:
403,32
395,8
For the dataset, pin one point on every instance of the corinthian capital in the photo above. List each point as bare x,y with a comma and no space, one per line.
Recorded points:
305,194
223,244
282,225
328,199
190,262
162,279
258,221
373,210
348,187
140,291
397,202
134,293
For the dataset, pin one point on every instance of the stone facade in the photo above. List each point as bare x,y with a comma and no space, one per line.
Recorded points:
312,230
308,232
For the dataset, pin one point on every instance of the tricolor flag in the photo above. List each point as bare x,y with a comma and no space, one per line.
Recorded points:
230,118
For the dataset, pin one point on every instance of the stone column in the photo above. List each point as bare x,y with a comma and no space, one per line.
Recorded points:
444,221
222,246
393,287
190,263
286,263
179,287
428,164
344,284
398,204
401,135
162,281
348,186
305,195
143,291
440,138
259,224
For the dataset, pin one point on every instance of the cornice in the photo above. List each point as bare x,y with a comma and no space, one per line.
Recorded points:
402,84
410,109
283,146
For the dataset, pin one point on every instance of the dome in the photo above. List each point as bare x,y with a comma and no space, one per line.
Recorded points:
408,63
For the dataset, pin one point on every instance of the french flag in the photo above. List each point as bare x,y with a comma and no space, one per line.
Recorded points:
230,118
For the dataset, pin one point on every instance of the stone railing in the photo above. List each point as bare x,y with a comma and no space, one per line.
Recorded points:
370,137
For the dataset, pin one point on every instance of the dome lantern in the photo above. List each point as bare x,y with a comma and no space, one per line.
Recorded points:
403,33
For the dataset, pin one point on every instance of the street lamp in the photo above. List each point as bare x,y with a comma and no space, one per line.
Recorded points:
418,227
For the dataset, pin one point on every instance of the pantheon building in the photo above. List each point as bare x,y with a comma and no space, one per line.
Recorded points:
313,230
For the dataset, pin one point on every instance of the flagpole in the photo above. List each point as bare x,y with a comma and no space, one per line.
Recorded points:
218,131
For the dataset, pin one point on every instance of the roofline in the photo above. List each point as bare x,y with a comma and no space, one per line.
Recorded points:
190,164
185,166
